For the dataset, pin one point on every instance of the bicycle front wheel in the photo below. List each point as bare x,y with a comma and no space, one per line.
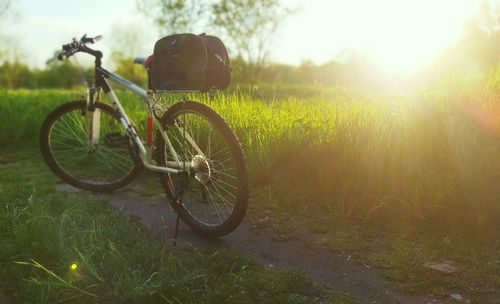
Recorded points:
215,187
90,153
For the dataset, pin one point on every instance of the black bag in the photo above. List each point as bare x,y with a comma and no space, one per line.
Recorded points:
189,62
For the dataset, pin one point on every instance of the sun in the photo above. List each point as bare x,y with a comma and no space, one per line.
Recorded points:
400,36
403,35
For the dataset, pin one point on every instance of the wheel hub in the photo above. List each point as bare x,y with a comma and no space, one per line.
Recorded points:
201,168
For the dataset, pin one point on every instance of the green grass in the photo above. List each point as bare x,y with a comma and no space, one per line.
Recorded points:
45,231
424,165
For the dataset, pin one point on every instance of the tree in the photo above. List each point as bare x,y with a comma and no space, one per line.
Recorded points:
247,26
129,42
4,7
250,26
174,16
15,75
63,74
131,71
481,37
126,44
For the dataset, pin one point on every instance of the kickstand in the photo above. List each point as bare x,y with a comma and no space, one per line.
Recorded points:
177,220
176,203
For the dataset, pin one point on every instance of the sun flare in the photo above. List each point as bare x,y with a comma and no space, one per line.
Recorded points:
410,33
400,35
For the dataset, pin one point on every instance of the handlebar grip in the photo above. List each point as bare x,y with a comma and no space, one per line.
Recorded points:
91,40
62,56
76,46
66,54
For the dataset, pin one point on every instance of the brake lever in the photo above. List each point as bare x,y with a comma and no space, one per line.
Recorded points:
84,39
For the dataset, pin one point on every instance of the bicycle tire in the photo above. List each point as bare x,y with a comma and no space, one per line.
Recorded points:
64,146
219,187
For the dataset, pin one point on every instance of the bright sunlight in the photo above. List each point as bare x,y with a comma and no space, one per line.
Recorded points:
401,35
334,136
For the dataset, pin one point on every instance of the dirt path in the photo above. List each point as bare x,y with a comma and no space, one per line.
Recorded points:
334,270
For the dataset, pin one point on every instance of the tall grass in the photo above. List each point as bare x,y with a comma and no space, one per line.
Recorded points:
431,157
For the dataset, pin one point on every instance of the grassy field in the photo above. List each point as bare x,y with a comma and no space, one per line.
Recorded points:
397,178
64,247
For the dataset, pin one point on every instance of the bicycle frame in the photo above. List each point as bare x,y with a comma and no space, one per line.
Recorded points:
144,151
95,146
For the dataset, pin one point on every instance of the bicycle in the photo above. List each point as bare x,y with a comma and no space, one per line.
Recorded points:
95,146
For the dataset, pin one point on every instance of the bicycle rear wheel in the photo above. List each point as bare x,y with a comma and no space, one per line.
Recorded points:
215,196
105,165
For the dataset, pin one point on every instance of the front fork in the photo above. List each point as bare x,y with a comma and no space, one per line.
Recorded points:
93,119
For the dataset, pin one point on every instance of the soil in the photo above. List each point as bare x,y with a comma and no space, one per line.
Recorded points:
334,270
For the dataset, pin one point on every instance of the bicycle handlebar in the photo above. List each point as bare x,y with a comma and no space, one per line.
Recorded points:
91,40
66,54
77,46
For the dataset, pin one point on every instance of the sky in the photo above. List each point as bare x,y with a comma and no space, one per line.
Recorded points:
400,35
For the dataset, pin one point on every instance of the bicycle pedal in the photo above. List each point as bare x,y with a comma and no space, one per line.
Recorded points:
115,139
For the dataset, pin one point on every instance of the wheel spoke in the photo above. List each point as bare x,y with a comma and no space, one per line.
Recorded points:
217,192
214,203
68,146
217,185
225,202
227,175
213,178
223,150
